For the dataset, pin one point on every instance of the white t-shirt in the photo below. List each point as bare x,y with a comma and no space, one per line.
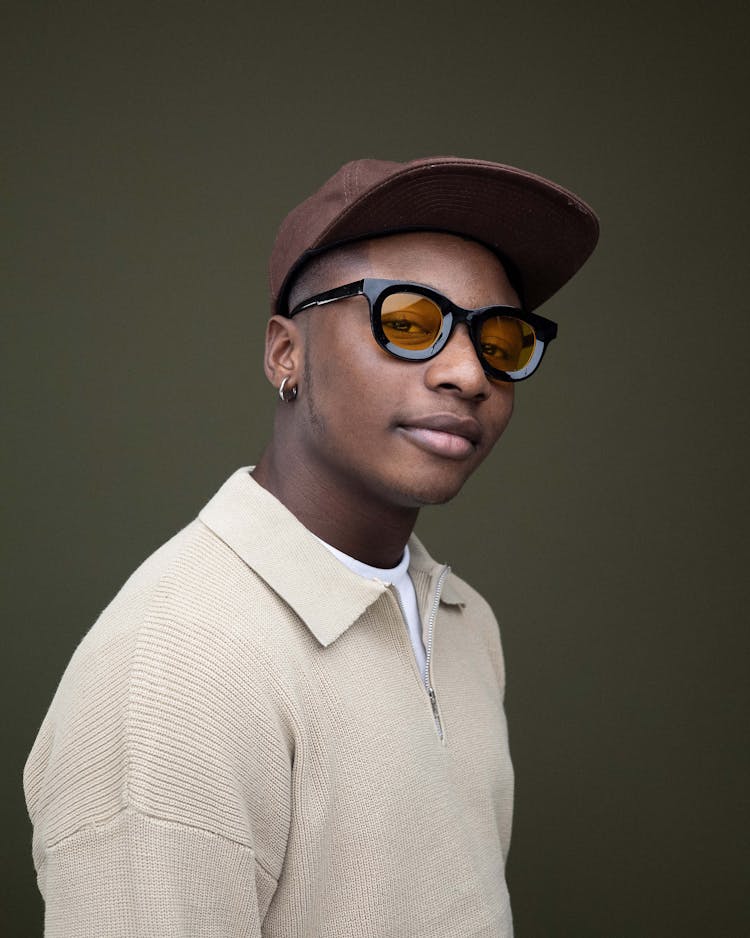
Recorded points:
399,577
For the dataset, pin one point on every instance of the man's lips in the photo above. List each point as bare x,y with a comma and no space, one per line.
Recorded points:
444,434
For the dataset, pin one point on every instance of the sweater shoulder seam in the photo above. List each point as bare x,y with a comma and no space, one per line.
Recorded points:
99,826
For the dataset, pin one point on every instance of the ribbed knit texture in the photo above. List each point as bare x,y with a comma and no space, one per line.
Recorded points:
242,745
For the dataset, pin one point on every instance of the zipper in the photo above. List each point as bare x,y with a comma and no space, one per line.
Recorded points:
428,651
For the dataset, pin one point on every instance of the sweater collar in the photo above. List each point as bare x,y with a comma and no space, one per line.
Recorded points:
295,564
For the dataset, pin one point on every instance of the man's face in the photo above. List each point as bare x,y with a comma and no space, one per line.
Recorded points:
401,432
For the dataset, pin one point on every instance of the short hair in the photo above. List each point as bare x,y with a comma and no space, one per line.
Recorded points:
324,271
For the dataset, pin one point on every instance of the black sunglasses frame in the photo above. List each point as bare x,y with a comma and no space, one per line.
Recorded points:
377,290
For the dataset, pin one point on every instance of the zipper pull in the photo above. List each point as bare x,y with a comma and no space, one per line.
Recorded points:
435,714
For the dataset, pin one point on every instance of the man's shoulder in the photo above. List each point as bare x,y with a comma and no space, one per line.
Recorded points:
117,626
193,588
174,667
470,597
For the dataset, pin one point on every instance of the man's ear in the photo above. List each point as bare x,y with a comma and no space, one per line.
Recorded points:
284,351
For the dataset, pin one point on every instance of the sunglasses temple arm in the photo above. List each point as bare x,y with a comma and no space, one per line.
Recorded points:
330,296
350,289
331,299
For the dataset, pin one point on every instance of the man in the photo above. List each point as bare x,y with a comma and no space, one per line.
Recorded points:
290,720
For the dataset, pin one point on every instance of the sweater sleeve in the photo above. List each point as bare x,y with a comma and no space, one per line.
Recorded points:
160,783
139,876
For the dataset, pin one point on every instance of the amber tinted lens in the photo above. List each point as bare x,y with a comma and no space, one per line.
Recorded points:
411,321
507,343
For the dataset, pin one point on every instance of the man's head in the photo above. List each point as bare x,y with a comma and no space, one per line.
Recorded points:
370,424
408,433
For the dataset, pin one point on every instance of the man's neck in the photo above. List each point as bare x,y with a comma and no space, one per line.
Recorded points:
372,531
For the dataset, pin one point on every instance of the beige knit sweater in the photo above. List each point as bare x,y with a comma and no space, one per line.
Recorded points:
243,745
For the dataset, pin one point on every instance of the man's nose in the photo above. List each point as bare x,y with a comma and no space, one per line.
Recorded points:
457,368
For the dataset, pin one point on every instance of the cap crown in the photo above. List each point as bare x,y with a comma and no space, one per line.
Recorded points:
545,231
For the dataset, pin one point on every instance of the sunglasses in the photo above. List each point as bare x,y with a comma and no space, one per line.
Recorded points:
414,323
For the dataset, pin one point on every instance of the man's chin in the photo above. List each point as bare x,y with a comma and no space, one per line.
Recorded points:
434,493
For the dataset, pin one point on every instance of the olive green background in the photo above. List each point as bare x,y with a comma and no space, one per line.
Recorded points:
151,151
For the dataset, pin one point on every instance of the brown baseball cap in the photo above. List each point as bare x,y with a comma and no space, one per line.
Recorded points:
542,229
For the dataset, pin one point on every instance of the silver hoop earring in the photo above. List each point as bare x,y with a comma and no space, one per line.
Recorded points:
289,396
